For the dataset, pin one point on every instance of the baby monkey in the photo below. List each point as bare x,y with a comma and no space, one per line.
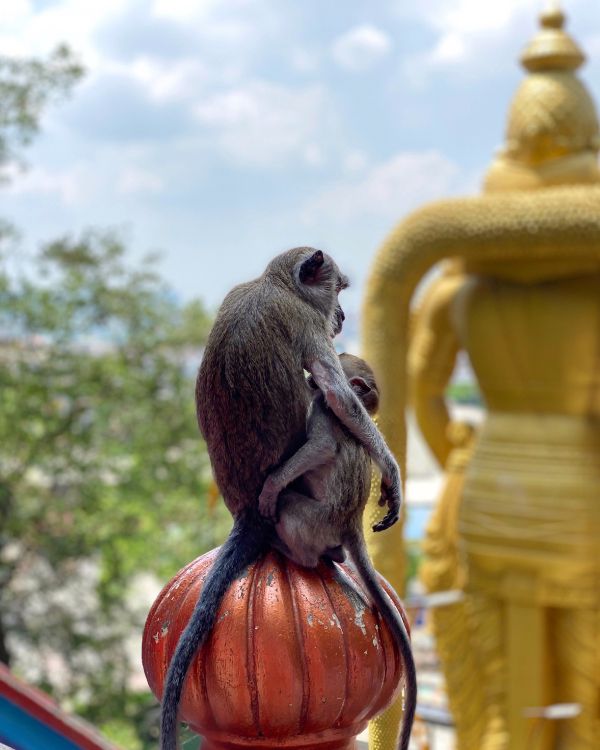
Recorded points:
317,498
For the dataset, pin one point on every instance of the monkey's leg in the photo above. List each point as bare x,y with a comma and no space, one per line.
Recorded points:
318,450
278,544
575,641
302,529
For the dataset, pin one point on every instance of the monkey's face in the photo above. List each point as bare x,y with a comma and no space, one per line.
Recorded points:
362,381
338,320
338,317
316,279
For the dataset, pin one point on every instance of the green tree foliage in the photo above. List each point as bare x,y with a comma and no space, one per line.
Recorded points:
103,474
26,87
102,471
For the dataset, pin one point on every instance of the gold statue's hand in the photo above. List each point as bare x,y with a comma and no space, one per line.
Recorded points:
460,434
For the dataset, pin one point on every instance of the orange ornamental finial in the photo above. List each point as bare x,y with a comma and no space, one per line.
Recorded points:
298,658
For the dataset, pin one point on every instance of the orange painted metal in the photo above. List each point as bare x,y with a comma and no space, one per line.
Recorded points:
298,658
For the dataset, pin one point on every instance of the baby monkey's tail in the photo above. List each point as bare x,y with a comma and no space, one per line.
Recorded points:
355,544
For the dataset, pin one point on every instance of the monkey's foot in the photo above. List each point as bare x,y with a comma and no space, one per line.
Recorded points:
392,497
267,501
388,520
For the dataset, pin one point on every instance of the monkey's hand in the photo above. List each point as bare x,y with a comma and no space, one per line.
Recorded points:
267,500
391,495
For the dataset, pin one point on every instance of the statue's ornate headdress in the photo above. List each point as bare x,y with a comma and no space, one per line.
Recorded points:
553,136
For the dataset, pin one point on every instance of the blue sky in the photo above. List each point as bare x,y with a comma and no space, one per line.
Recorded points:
222,132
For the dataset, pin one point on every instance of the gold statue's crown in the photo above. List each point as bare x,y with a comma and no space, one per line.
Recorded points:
552,136
552,48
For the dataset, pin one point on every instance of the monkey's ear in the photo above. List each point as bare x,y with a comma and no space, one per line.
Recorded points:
310,268
368,396
359,386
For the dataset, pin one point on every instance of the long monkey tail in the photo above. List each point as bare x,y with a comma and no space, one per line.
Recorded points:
248,539
355,544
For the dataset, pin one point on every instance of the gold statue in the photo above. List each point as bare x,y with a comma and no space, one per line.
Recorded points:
521,295
432,355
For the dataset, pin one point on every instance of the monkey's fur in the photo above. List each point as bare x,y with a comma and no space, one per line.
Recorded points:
330,476
252,399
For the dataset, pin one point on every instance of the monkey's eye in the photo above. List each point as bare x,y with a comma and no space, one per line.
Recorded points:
342,283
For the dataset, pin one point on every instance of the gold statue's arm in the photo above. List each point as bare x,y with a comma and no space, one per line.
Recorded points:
432,355
521,236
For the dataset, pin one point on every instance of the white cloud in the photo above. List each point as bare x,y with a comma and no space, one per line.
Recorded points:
466,25
450,48
354,161
313,155
70,21
361,48
26,31
389,189
471,16
472,35
15,11
264,123
235,23
136,180
69,185
182,10
304,60
180,80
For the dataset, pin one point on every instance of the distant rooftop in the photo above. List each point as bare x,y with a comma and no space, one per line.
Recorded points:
31,720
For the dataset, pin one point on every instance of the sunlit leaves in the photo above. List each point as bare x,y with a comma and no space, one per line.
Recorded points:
103,474
26,87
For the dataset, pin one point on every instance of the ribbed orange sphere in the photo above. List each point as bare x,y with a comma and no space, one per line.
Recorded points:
298,658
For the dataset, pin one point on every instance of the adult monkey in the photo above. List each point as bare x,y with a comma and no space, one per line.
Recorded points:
252,400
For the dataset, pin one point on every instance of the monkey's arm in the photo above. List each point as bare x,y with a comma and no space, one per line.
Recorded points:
341,399
319,449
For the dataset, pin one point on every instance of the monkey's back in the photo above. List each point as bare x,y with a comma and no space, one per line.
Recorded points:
251,393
